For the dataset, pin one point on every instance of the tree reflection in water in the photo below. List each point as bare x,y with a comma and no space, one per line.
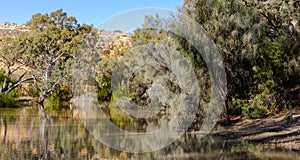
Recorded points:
29,133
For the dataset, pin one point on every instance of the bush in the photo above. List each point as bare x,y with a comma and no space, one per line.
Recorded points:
119,118
103,88
261,104
9,100
255,110
59,99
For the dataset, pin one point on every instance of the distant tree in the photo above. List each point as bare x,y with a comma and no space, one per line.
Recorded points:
48,49
150,31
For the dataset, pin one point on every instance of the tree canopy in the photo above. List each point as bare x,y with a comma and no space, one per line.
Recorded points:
260,45
47,50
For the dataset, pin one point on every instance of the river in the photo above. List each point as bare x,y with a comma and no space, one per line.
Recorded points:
28,133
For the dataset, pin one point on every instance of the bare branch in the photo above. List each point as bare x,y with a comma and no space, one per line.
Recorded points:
3,62
22,75
6,63
15,85
15,69
57,58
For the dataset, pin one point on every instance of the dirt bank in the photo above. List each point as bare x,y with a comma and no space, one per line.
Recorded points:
272,131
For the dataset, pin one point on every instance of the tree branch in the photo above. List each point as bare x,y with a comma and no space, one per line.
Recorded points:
51,89
6,63
15,85
57,58
15,70
269,20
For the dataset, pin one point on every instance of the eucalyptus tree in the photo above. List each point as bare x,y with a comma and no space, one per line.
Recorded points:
55,38
259,43
48,50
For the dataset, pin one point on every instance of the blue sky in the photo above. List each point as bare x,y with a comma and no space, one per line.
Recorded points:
89,11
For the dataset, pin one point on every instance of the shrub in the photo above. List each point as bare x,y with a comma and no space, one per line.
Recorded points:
9,100
260,104
59,99
103,88
119,118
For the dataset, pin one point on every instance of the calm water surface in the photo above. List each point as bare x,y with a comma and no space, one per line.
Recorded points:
27,133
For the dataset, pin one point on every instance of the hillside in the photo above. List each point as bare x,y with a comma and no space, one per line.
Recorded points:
110,42
8,31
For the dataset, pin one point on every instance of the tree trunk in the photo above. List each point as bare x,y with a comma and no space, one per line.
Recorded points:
4,88
227,116
290,113
41,102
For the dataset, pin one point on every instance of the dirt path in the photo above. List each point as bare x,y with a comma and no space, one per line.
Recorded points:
272,131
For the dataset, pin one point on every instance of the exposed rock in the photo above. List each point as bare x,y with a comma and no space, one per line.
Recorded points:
114,43
15,27
9,31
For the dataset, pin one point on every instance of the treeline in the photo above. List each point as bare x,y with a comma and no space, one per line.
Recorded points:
259,42
260,45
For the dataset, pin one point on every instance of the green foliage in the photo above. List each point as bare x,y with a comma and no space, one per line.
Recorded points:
59,99
9,100
119,118
151,31
104,92
261,104
49,48
260,45
270,62
252,109
45,54
14,64
156,30
103,80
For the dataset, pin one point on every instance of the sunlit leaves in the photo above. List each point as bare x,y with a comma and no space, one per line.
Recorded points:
49,47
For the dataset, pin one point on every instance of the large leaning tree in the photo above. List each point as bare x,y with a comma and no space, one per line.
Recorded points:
45,53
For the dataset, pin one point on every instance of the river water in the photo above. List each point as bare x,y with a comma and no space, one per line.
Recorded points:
27,133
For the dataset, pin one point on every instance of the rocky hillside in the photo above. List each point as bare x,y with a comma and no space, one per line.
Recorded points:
16,27
8,31
114,43
110,42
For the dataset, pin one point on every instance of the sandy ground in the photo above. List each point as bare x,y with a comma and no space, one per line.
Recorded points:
272,131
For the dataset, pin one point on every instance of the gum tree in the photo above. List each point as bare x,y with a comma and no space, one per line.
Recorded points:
54,40
48,49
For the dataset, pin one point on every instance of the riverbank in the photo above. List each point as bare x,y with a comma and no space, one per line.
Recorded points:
273,132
